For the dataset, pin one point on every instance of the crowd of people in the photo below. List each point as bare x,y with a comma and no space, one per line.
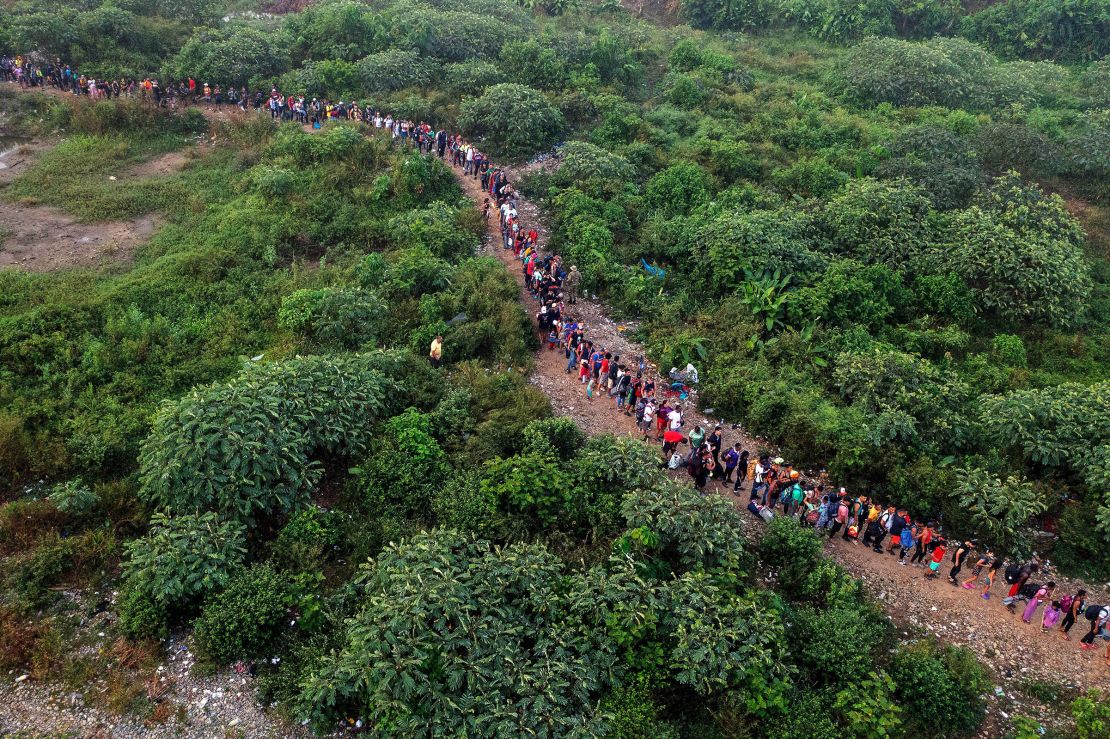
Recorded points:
773,486
280,105
627,385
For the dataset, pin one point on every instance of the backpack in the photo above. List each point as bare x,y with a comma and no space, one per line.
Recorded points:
1065,603
1029,589
1091,614
1013,573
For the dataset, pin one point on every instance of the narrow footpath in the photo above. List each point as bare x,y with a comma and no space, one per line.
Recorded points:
1016,651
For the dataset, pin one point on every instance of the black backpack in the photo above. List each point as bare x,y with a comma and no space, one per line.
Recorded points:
1029,589
1091,614
1013,573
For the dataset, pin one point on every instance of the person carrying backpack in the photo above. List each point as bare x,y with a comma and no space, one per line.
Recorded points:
1073,605
1098,616
1039,595
907,543
958,559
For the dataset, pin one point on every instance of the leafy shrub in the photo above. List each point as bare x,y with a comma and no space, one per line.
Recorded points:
1073,30
74,498
242,621
954,707
558,436
792,550
1092,714
535,487
724,642
303,543
683,90
593,169
405,466
181,560
235,55
677,190
739,16
534,64
472,602
1000,510
683,530
472,77
342,317
867,709
939,161
1009,350
837,645
437,228
511,120
884,70
393,69
635,712
244,447
810,177
1019,271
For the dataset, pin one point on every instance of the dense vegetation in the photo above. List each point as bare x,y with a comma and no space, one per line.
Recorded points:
868,252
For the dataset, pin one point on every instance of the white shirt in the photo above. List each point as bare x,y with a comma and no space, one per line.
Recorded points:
675,418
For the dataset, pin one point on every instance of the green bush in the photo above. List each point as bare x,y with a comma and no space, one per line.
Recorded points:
885,70
235,55
405,466
635,712
74,498
677,190
1019,272
1070,30
837,646
511,120
472,77
179,562
792,550
242,621
953,705
593,169
306,540
682,530
393,70
471,603
245,447
340,317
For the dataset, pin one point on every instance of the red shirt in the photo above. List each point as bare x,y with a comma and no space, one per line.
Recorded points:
672,437
605,366
938,554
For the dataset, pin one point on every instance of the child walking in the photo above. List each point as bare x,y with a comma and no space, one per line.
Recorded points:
1051,616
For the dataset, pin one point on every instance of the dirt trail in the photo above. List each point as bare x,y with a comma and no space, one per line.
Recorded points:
1014,650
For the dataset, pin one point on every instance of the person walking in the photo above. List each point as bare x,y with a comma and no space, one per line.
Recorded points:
435,353
1076,606
570,285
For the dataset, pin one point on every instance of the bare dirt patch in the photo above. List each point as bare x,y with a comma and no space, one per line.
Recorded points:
164,165
16,159
42,239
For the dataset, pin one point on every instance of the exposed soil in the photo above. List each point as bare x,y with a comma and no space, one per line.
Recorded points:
164,165
190,705
42,239
1014,650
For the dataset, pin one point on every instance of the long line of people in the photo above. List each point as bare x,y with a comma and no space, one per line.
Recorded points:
629,385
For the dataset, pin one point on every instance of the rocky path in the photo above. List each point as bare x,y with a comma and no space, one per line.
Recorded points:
1015,650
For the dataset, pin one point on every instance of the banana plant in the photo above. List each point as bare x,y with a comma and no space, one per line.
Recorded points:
765,296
